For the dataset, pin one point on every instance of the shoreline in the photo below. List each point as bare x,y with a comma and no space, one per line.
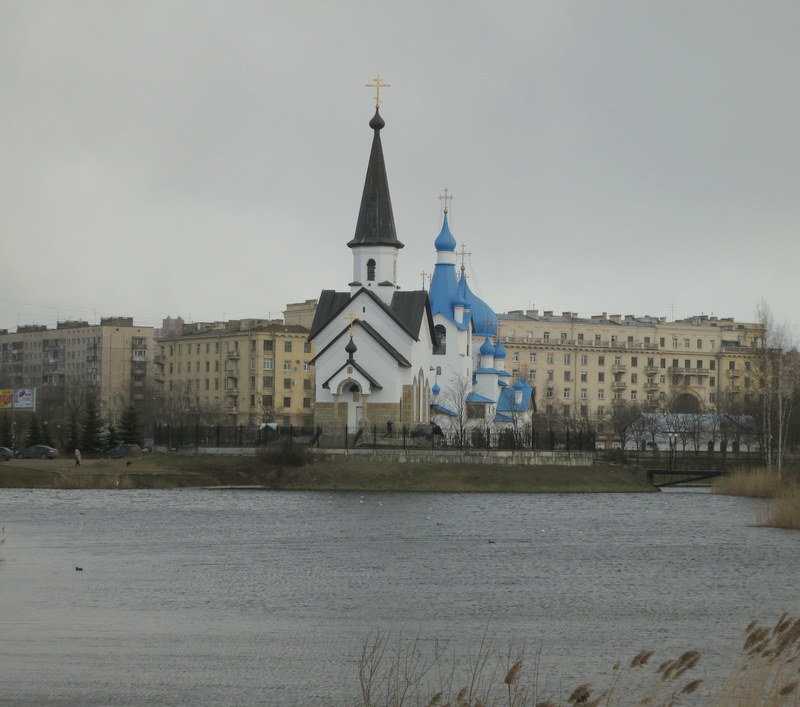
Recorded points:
171,471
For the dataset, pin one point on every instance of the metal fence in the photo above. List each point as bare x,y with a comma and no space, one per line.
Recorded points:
419,436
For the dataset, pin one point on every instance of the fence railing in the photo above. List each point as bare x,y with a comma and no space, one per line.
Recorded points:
419,436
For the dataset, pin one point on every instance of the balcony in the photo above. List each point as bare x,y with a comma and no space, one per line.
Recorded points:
651,384
619,368
232,355
139,357
618,385
732,373
651,370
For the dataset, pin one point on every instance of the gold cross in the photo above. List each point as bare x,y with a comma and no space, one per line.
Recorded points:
444,199
464,254
353,318
378,85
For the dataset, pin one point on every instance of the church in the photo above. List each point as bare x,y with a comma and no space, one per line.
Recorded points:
392,357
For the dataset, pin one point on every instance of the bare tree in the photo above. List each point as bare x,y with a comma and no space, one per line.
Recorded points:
454,399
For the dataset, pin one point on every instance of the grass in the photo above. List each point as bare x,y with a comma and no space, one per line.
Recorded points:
175,471
396,671
784,511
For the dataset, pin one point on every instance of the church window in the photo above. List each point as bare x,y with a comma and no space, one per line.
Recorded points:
440,345
370,269
438,370
476,411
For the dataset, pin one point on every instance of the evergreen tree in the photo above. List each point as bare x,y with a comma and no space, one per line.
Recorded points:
130,432
5,430
113,437
74,441
93,436
34,431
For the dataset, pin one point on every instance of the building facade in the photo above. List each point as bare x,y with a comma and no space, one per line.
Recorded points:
579,367
247,371
110,360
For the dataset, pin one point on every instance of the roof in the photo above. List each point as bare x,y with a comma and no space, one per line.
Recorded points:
476,398
375,224
360,369
408,308
507,402
444,410
391,350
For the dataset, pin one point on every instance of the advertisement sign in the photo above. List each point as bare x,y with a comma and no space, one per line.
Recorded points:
6,396
24,398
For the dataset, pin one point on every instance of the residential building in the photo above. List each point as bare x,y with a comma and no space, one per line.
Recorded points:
110,360
300,313
245,371
579,367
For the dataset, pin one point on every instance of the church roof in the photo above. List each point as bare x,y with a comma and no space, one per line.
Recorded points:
366,375
375,224
391,350
408,309
445,239
508,397
484,320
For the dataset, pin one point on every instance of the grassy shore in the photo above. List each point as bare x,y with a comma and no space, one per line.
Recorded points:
161,471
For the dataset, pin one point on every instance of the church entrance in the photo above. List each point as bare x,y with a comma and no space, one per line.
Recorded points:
351,394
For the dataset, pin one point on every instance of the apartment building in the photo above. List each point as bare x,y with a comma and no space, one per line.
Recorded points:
579,367
245,371
110,360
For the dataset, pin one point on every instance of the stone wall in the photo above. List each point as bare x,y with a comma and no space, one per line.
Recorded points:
330,414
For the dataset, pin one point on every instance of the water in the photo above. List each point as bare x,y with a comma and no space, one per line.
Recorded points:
238,597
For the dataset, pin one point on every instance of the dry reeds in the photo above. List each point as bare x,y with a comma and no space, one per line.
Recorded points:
784,512
755,483
784,490
418,672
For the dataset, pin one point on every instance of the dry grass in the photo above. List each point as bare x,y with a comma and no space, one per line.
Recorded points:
784,512
394,671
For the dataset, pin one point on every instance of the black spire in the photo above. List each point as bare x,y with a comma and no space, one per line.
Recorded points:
375,225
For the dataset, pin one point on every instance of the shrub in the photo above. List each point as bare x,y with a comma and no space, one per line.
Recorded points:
286,453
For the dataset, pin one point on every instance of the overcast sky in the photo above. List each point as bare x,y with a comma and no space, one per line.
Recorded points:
206,159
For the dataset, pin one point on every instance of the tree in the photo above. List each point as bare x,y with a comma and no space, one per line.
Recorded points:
623,416
5,430
74,440
130,432
454,399
93,435
34,431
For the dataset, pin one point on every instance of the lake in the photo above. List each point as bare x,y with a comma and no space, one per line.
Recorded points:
242,597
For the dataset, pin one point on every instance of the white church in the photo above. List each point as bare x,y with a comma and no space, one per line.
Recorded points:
391,357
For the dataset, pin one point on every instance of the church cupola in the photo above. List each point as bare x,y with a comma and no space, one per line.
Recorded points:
375,243
487,354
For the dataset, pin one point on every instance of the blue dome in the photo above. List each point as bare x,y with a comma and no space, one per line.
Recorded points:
499,351
518,385
487,348
445,240
484,320
435,390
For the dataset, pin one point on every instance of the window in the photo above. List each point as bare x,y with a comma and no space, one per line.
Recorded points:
269,345
712,381
630,339
699,343
567,392
306,403
584,376
207,383
712,397
675,363
567,359
532,375
674,342
252,381
662,380
253,345
597,337
198,348
584,360
651,362
252,399
584,393
633,395
647,340
617,395
266,381
747,365
208,366
617,360
563,336
533,358
549,358
269,364
663,363
549,393
546,335
515,357
216,366
687,364
731,366
613,337
307,384
687,380
713,343
601,410
634,378
307,347
565,410
580,337
662,341
549,375
287,346
601,377
686,343
440,345
699,364
567,376
306,366
266,401
370,269
476,411
287,383
216,384
634,361
216,347
601,360
287,402
287,365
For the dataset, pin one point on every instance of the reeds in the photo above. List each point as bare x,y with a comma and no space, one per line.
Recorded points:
396,671
784,490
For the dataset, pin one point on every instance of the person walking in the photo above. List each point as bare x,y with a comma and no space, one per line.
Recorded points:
77,457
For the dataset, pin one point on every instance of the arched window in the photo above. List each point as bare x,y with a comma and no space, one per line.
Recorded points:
370,269
440,345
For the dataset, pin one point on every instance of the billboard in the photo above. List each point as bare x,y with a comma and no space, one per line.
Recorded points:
6,396
24,398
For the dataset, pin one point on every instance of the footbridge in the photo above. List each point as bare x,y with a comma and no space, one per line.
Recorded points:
673,477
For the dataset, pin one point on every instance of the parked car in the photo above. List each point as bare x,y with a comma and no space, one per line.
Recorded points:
427,430
5,454
38,451
123,450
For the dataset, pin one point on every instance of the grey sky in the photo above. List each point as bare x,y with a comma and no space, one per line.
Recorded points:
207,158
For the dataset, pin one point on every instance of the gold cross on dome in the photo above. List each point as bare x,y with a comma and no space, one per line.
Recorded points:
463,253
445,199
378,85
352,318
